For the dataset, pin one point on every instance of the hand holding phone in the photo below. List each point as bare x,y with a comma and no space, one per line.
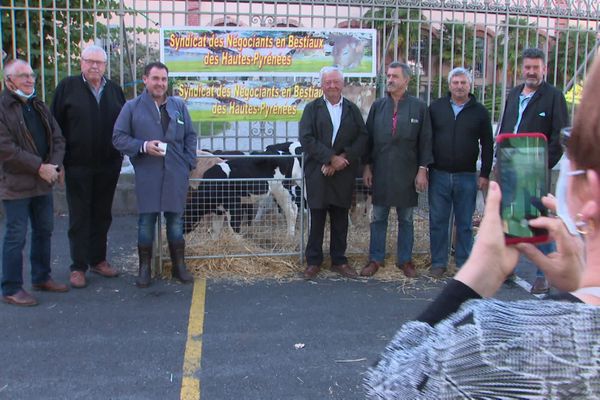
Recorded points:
523,175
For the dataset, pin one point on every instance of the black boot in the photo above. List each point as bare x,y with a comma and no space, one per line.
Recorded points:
145,272
179,269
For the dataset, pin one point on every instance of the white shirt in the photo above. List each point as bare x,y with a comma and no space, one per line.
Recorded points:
335,112
523,102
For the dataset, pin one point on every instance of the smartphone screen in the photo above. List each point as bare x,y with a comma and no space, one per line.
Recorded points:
522,169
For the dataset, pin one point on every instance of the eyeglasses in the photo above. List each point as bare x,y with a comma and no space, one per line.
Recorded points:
25,75
577,172
94,62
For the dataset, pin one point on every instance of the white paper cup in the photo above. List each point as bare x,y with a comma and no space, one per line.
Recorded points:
163,148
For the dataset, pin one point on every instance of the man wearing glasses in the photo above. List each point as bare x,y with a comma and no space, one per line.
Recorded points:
31,154
86,106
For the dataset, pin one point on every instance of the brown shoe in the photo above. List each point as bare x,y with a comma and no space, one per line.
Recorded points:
311,271
21,298
77,279
370,269
50,286
409,269
437,272
540,286
105,269
344,270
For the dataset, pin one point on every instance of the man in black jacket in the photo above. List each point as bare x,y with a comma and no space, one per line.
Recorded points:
86,107
460,125
333,136
536,106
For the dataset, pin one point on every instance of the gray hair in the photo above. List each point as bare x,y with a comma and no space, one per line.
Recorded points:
94,49
534,52
9,67
406,71
460,71
328,70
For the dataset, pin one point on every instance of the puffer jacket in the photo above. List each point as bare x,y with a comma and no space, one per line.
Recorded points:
19,158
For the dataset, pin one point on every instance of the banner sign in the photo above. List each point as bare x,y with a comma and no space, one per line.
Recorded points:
230,99
249,100
289,52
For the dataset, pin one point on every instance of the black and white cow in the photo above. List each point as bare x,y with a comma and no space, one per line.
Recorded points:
361,198
227,185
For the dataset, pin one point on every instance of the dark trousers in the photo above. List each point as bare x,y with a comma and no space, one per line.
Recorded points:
90,193
18,213
338,219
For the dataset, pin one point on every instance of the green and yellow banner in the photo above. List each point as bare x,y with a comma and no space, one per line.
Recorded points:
273,52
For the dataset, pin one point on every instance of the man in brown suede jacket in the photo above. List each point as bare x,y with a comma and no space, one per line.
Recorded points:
31,154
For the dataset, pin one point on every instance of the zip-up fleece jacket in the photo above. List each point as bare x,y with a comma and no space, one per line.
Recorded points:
456,140
19,158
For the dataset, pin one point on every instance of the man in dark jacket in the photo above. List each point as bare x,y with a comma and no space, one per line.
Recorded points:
86,107
459,125
536,106
398,155
31,154
333,137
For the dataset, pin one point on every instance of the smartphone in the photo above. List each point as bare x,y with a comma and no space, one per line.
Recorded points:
522,169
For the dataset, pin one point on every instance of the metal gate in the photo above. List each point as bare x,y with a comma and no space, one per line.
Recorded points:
433,36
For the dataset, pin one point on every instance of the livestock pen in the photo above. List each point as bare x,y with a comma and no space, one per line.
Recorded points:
258,226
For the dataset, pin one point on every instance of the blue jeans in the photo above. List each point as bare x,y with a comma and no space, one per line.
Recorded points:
147,223
38,210
451,191
379,225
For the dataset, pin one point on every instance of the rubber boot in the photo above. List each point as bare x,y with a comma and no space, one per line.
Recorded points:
145,273
179,269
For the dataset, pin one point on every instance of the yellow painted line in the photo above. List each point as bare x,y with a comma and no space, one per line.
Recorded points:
190,384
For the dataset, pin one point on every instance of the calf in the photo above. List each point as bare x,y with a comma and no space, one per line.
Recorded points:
239,175
293,186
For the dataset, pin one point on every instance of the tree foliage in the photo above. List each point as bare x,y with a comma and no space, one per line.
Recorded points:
51,38
569,54
521,35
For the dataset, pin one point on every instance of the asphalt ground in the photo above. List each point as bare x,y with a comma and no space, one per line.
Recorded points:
267,340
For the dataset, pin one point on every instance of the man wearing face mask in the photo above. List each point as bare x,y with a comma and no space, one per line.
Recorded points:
536,106
31,154
86,107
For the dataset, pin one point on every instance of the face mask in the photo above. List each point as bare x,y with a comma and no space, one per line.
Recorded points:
20,93
562,209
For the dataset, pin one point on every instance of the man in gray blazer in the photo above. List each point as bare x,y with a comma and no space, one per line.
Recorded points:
156,132
333,137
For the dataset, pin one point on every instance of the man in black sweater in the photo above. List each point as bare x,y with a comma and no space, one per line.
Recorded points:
86,107
535,106
460,125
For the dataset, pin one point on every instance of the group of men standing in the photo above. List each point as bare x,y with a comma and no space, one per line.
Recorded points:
407,148
80,140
